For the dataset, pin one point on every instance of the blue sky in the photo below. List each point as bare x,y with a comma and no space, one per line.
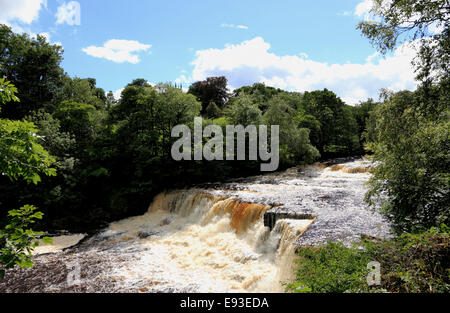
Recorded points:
292,44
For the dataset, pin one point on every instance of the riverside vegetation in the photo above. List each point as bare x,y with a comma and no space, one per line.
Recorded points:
86,159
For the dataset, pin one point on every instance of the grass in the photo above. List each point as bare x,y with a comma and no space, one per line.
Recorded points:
410,263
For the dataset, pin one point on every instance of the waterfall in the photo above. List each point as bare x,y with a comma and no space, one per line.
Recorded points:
197,242
214,239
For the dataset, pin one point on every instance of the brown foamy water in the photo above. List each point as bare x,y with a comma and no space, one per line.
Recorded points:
208,244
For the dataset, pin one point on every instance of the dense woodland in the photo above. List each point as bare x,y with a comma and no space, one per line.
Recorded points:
84,158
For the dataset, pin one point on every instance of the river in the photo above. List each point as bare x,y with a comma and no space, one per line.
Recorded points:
212,238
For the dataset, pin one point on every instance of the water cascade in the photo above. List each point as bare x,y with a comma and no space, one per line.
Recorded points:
228,237
193,241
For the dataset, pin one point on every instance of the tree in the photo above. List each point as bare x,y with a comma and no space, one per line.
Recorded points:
213,111
425,21
110,100
295,147
138,82
81,91
20,157
137,150
76,118
411,181
361,113
7,91
333,128
32,66
261,94
408,132
244,111
308,121
213,89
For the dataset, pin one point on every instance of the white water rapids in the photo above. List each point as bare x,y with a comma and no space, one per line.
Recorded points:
212,239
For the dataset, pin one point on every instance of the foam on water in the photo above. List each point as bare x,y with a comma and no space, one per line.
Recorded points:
59,243
209,245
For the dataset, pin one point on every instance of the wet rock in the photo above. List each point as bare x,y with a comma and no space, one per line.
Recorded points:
167,221
245,257
269,181
238,278
145,234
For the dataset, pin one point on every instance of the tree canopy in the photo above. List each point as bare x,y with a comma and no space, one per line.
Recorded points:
408,133
213,89
427,22
33,67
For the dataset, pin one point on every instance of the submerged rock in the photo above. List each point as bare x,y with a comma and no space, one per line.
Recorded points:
144,234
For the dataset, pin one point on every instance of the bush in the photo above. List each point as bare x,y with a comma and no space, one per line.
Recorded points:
410,263
417,263
17,240
330,268
410,143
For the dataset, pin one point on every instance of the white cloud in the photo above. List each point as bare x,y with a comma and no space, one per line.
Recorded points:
436,28
234,26
182,79
363,8
69,13
118,93
344,13
18,14
303,55
118,51
251,61
23,11
372,57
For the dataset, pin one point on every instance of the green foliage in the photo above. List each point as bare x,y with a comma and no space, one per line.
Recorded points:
416,263
213,111
7,91
213,89
362,114
21,155
260,94
76,118
81,91
32,66
295,147
408,20
57,142
332,268
243,111
408,132
410,142
110,100
17,240
333,127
